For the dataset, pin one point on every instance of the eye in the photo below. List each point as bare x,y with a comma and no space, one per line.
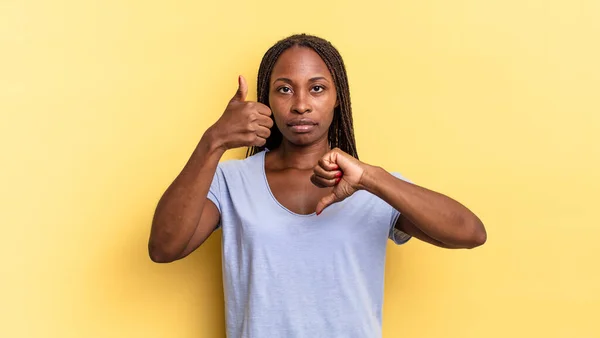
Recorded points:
318,89
284,90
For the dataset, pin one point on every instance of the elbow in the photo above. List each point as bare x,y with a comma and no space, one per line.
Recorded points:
477,234
160,254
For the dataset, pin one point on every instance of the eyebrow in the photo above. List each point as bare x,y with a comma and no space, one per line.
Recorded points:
312,79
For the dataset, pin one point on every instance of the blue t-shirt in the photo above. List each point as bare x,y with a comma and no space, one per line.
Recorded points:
291,275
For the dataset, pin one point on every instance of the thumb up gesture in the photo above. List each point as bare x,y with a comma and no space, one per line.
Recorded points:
243,123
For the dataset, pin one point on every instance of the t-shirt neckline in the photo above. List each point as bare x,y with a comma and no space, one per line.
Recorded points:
268,187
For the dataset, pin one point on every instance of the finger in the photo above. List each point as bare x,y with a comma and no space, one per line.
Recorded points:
316,182
327,165
325,202
327,174
263,132
265,121
259,141
263,109
240,95
323,182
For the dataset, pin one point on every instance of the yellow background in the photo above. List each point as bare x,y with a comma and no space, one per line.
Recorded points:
495,103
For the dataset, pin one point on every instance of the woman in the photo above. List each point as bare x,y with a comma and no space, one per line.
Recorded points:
304,222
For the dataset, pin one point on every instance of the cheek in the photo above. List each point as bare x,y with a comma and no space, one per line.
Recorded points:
329,101
277,108
278,103
328,107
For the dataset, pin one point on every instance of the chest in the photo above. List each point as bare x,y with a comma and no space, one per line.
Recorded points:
294,190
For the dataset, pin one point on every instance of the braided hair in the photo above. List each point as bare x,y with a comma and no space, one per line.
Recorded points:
341,131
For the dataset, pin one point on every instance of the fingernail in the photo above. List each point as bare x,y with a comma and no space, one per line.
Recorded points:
338,174
318,213
337,180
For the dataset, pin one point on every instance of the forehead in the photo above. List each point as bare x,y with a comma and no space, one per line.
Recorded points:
300,62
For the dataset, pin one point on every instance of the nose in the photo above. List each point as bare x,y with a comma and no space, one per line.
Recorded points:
301,104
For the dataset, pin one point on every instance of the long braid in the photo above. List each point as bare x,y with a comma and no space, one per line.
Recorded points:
341,131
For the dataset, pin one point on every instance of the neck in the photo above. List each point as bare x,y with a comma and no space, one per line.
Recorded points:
300,157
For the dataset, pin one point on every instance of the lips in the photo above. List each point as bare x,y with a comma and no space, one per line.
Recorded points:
302,122
302,126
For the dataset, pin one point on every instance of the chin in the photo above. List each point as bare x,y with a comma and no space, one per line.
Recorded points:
304,140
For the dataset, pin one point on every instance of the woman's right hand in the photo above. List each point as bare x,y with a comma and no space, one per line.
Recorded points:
243,123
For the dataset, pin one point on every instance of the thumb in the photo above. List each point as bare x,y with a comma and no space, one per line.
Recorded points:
325,202
242,91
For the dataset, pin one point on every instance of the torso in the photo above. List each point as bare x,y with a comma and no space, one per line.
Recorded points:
276,264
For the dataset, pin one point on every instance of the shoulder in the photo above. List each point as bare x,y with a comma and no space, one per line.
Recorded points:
250,166
232,164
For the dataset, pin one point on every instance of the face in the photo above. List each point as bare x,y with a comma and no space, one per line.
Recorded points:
302,96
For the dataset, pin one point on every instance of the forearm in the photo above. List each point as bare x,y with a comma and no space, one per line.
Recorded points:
440,217
179,209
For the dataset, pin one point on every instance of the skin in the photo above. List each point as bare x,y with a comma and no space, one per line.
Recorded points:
304,174
301,89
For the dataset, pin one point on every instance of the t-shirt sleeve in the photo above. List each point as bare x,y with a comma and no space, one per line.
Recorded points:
397,236
215,192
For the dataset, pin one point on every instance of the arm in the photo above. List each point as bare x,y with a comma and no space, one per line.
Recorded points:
184,217
425,214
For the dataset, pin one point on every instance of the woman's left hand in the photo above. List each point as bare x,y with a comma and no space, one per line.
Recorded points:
341,171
